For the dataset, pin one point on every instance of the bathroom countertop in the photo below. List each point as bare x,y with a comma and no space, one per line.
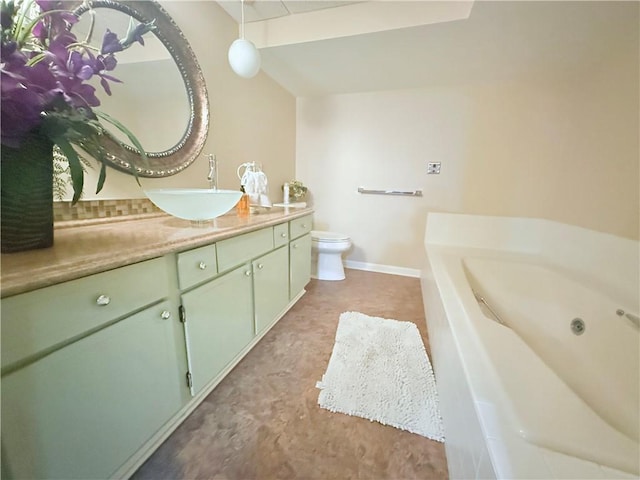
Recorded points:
83,250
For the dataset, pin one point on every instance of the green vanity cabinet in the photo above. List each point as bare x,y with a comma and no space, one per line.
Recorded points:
219,323
83,410
270,287
300,264
97,371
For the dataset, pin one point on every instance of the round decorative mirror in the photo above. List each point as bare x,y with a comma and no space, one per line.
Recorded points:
162,98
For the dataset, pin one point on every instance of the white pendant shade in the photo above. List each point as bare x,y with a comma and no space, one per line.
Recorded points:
244,58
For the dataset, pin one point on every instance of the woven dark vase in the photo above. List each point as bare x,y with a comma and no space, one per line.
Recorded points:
26,208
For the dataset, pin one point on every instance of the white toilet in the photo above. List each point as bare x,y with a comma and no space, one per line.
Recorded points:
328,247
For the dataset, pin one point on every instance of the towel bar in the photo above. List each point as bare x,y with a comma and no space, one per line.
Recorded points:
415,193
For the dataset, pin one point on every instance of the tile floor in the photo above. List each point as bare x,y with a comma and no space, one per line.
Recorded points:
263,422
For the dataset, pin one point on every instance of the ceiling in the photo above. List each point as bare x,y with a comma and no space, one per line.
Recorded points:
498,41
258,10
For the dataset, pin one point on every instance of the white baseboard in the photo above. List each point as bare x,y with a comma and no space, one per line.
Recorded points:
390,269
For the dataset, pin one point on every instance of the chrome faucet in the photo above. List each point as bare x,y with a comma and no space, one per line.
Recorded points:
213,172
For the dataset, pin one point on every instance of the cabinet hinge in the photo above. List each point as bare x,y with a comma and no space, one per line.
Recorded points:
189,380
183,314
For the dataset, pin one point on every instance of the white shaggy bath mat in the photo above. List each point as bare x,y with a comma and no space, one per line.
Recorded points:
379,370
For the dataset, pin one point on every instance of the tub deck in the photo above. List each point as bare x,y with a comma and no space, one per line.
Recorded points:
532,424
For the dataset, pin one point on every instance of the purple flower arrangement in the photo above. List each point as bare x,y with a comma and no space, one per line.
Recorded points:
45,71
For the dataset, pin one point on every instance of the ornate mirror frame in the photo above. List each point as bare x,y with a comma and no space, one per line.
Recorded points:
169,162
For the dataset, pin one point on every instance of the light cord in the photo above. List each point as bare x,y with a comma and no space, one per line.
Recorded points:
242,17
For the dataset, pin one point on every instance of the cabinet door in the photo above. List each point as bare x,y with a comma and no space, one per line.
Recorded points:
81,411
219,317
300,261
270,286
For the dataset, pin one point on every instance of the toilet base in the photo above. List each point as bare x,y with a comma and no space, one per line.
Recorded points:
328,266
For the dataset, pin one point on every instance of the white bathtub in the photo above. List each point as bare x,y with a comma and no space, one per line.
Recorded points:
529,398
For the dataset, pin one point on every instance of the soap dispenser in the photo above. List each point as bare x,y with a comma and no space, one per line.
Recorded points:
242,207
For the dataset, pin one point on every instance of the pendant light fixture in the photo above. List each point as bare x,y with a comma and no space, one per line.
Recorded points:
244,57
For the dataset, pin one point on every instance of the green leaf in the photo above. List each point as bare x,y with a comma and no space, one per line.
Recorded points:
53,127
129,135
92,147
29,29
20,19
35,59
126,131
102,177
77,173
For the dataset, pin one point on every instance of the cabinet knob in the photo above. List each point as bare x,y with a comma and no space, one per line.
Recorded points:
202,265
304,225
260,266
165,315
295,245
103,300
247,273
283,235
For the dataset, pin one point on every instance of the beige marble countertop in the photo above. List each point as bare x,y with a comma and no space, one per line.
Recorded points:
83,250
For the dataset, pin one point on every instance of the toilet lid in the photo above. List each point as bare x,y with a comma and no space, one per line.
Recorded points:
328,236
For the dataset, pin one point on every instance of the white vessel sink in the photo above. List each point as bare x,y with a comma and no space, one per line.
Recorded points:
194,204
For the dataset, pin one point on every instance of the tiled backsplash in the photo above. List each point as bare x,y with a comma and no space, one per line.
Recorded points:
99,209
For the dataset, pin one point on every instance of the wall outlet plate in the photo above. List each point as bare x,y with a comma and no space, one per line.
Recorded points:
433,168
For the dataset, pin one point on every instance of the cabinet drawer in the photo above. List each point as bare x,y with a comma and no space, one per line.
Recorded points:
280,235
234,251
40,320
197,265
300,226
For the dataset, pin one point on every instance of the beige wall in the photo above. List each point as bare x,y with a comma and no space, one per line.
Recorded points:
251,120
565,149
